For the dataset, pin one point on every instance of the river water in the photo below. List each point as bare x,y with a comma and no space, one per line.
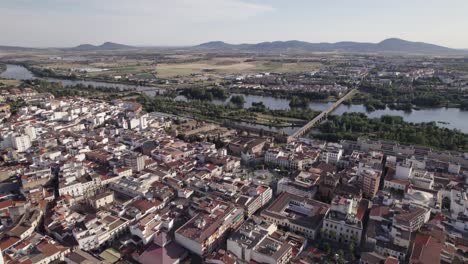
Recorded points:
19,72
452,118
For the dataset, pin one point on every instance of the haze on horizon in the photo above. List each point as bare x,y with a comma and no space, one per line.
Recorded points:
65,23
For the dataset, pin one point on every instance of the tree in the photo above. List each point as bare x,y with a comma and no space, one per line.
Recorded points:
340,258
327,248
238,100
298,102
258,107
351,247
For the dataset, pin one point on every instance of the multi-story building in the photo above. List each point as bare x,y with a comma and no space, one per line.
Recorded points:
148,227
253,241
247,145
458,203
206,231
296,159
332,153
344,221
254,199
19,142
369,181
272,251
78,186
135,186
422,179
35,249
406,221
102,199
297,213
391,228
304,184
96,230
135,161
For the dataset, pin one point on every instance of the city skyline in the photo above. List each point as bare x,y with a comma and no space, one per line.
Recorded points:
186,23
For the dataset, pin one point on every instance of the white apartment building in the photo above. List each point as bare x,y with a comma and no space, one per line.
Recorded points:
98,230
332,153
135,161
299,214
149,226
343,223
204,232
19,142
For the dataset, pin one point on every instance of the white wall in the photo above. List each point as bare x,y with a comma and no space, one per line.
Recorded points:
189,244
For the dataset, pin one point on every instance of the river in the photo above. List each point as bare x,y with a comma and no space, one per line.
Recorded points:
452,118
19,72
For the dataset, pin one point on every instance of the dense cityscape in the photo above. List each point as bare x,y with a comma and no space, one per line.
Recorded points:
263,153
106,175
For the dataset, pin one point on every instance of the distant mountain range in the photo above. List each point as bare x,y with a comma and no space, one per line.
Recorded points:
391,45
82,47
104,46
15,48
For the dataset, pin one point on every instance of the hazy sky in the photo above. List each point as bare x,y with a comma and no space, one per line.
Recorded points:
60,23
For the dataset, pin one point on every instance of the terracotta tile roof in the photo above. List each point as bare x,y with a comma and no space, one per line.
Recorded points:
143,205
426,250
7,242
363,206
391,260
48,249
379,211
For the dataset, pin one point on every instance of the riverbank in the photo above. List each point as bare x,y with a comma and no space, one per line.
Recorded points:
287,94
351,126
46,73
420,93
19,72
452,118
263,118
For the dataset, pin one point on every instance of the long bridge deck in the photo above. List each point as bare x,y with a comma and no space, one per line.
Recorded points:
321,117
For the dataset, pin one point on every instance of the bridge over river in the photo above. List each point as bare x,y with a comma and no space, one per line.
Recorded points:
321,117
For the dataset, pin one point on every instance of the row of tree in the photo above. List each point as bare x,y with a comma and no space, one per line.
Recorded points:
421,94
394,128
206,94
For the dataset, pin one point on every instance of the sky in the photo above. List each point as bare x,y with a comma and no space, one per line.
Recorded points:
66,23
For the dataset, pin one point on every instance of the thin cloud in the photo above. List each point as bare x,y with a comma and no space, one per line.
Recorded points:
190,10
193,10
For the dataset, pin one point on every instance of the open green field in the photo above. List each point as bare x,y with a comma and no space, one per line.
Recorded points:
231,66
279,121
282,118
9,83
186,66
287,67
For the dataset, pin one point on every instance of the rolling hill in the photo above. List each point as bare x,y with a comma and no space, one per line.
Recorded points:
391,45
104,46
15,48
